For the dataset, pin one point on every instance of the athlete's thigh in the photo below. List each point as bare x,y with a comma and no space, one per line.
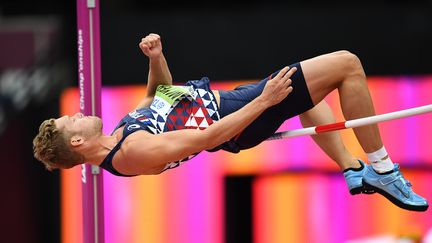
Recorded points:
324,73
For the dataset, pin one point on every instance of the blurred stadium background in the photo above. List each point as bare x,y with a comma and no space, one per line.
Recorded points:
224,40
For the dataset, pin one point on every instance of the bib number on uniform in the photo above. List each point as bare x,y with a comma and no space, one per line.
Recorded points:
167,95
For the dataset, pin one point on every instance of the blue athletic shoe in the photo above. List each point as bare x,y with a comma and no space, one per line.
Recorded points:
354,179
395,188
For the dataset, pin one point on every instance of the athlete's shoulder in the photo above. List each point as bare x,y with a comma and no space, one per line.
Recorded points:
135,155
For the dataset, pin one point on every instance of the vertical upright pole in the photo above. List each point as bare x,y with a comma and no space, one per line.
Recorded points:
89,76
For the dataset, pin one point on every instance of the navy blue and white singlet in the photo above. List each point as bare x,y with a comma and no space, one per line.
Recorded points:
193,106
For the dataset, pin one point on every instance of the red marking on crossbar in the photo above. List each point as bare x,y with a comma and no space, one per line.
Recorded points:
330,127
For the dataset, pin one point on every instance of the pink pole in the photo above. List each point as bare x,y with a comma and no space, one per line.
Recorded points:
353,123
89,76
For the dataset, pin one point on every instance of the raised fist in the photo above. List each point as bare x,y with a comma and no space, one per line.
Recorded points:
151,45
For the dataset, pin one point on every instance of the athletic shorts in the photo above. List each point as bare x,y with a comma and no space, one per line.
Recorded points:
297,102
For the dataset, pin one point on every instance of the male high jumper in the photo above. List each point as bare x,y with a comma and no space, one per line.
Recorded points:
174,123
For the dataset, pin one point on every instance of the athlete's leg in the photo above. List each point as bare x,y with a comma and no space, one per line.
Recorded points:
343,71
330,142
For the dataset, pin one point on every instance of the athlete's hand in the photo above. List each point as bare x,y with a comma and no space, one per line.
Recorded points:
278,87
151,45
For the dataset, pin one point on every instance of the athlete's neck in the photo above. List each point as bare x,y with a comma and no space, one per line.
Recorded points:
99,148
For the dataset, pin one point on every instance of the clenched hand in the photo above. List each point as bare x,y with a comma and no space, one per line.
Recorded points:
151,45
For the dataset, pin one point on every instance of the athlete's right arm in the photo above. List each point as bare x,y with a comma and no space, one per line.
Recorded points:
144,153
159,72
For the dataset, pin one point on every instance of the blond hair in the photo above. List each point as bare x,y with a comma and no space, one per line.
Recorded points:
51,147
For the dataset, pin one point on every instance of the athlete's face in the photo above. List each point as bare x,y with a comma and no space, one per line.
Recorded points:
79,124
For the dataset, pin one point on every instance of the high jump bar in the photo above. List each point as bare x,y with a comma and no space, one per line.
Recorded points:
352,123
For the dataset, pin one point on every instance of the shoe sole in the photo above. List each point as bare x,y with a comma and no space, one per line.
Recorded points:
395,200
356,190
361,189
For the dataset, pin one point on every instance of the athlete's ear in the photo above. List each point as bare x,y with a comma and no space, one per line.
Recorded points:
76,140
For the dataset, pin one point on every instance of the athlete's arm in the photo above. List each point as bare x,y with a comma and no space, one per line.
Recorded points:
145,153
159,72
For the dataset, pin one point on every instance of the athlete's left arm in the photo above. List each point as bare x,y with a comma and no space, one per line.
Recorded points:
159,72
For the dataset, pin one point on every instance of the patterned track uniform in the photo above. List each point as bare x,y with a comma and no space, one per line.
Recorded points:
193,106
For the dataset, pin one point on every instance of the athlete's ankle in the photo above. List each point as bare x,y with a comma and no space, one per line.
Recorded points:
380,161
354,164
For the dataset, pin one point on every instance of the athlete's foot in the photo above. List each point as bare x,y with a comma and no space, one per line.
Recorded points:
354,179
395,188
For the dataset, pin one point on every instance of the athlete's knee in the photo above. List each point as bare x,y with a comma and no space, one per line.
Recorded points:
351,63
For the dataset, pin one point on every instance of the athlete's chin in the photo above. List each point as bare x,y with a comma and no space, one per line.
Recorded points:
98,122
